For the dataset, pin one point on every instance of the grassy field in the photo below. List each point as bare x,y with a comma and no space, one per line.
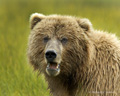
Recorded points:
16,76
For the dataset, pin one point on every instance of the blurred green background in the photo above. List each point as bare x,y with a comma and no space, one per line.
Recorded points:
16,76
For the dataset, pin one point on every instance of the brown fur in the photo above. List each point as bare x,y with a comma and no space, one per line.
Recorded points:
90,59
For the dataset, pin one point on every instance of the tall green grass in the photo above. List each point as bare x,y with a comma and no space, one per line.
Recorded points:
16,76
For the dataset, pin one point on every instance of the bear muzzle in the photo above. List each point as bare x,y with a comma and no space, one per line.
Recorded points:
53,68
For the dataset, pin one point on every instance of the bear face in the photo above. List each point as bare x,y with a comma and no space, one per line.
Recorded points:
57,44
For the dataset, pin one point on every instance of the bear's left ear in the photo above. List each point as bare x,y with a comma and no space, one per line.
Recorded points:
35,18
85,24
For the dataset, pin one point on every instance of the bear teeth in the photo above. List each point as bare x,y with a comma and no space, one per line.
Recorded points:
53,65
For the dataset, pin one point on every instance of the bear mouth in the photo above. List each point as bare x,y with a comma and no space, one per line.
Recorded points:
53,65
53,68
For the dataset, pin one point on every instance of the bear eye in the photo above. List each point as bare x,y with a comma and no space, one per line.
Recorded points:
46,39
64,40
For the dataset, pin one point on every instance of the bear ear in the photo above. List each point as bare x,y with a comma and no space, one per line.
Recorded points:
35,18
85,24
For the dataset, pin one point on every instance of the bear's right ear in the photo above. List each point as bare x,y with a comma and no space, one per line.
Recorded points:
35,18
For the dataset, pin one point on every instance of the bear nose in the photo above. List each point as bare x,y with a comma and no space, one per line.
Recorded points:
50,55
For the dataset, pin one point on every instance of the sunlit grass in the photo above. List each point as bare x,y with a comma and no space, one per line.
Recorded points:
16,76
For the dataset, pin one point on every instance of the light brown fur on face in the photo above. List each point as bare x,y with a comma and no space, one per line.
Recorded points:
89,60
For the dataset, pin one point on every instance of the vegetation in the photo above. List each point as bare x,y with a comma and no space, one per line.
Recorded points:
16,76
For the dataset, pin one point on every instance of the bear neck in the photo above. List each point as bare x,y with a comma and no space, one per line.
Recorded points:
60,84
68,84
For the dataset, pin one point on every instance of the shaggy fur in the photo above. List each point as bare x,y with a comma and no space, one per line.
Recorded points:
90,60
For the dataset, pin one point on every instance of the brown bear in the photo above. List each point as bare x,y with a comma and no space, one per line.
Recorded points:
76,59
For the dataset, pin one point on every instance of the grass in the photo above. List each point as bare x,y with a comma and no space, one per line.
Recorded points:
16,76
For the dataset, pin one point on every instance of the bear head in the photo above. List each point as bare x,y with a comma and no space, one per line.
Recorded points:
58,44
